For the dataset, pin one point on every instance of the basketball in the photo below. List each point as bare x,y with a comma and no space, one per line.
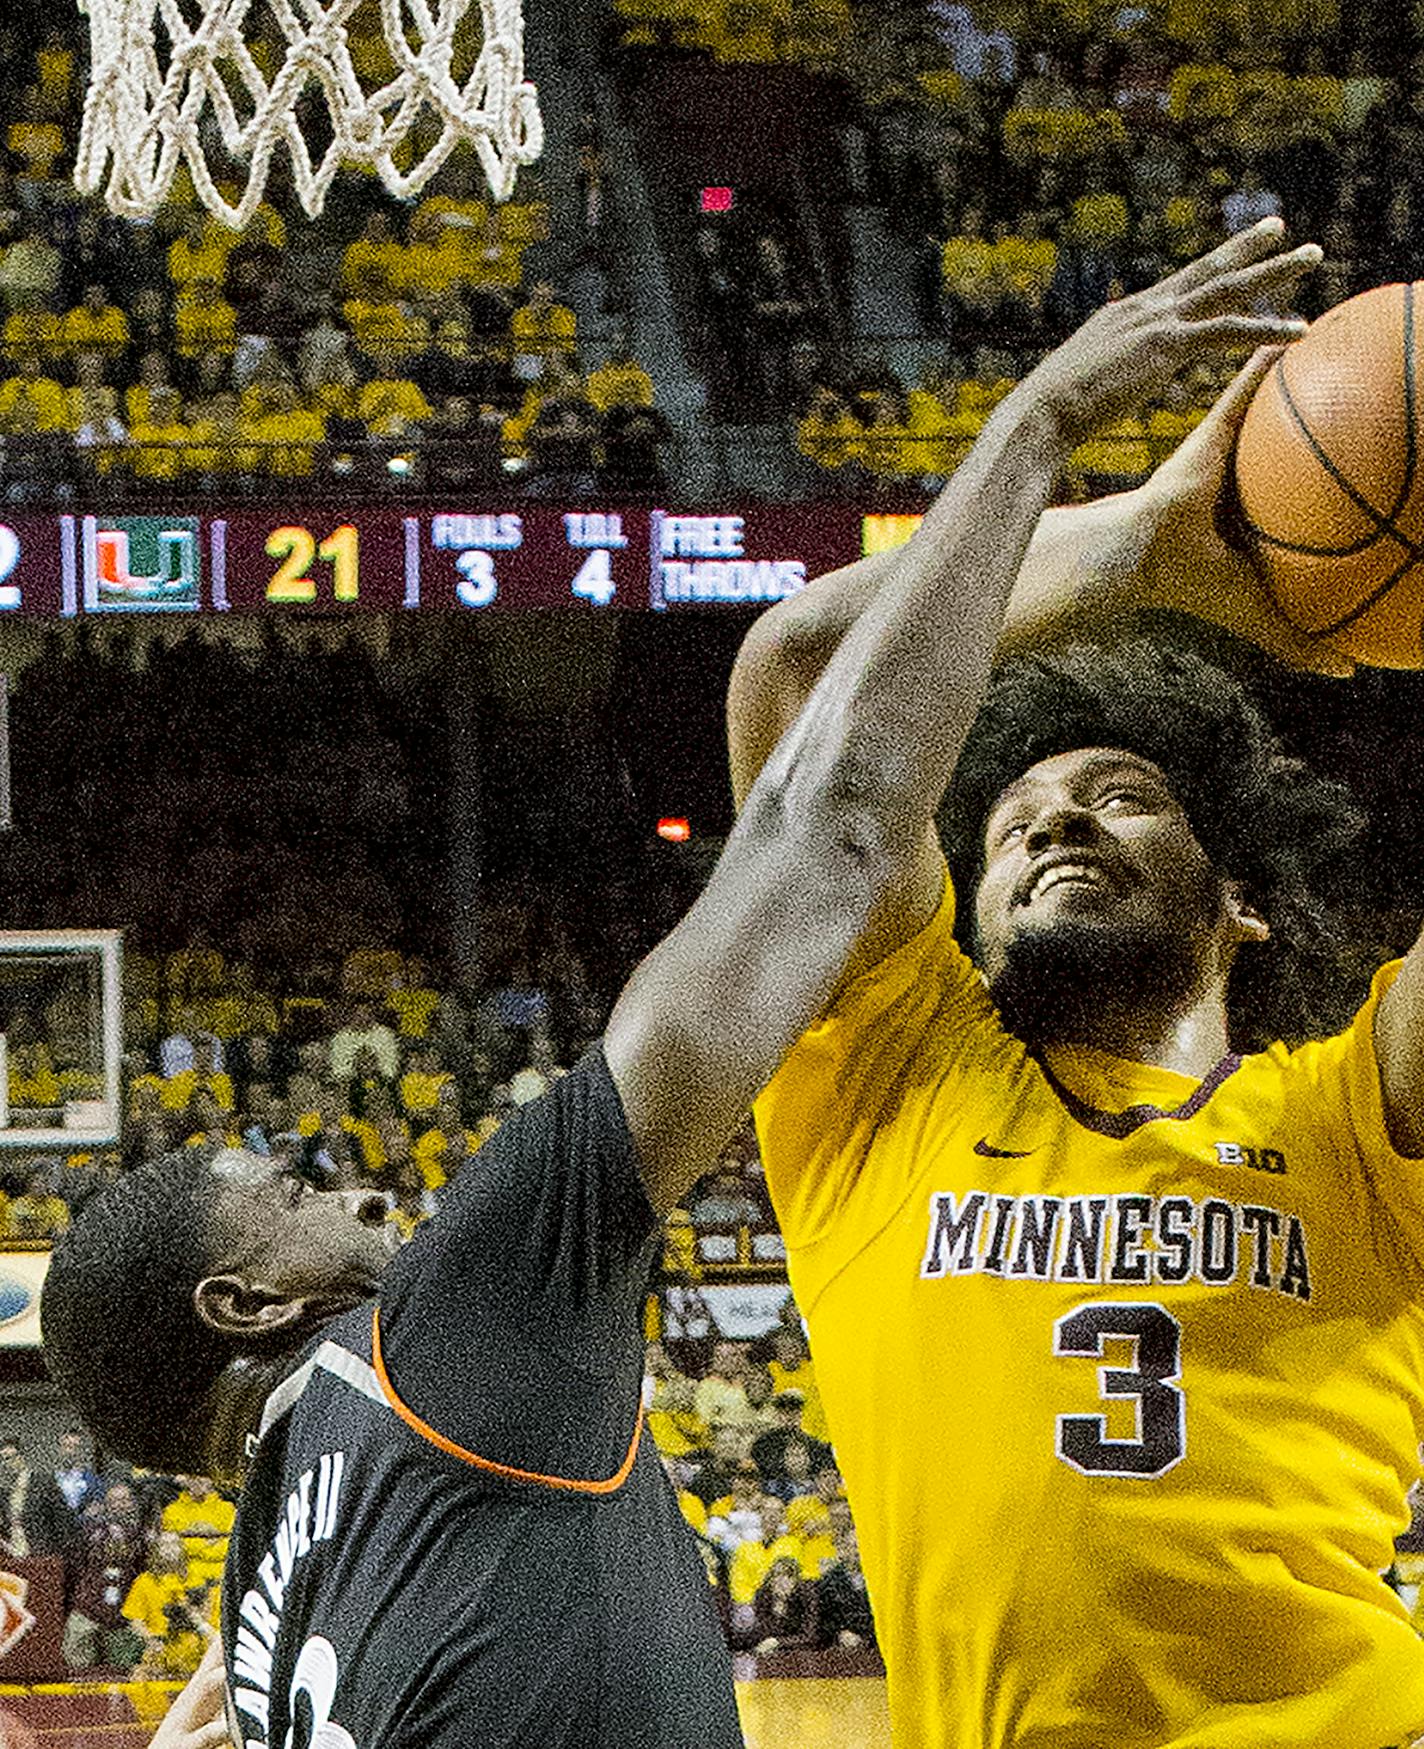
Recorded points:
1327,472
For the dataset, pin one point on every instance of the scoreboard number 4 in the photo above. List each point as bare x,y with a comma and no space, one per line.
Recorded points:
594,581
297,548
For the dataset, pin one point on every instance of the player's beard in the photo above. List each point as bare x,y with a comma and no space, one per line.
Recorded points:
1078,979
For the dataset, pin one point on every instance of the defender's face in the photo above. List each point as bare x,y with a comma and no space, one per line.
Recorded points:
1095,836
276,1228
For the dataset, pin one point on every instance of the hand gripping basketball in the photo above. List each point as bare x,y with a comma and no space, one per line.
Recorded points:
1134,346
1189,559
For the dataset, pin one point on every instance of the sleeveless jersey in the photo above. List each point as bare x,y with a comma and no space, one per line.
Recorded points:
1123,1371
455,1529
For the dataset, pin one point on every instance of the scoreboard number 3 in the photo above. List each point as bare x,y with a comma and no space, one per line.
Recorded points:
9,561
298,549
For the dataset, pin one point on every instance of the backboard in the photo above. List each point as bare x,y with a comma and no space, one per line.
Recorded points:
61,1039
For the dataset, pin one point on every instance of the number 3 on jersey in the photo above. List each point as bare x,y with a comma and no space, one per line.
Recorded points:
1161,1440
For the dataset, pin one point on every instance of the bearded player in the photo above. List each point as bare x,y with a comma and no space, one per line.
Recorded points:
453,1528
1115,1299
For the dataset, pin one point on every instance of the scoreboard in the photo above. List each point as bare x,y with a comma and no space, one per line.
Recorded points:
393,560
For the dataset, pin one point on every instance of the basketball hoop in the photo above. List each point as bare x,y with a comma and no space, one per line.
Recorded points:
149,111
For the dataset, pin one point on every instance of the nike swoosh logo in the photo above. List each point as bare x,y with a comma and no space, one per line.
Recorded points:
989,1152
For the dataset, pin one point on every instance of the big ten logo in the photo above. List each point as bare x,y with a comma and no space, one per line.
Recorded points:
1253,1159
9,563
141,562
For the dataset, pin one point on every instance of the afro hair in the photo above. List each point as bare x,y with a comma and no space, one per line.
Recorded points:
1264,818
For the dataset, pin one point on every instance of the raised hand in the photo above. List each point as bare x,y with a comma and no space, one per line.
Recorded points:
1189,563
1132,348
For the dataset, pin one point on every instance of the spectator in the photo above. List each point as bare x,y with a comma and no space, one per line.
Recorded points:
204,1521
150,321
31,330
769,1449
727,1458
412,1203
441,1150
171,1611
620,381
57,1498
364,1031
203,320
780,311
493,264
15,1479
843,1602
722,299
154,375
200,251
633,442
971,279
96,325
201,1057
782,1616
99,434
32,391
392,404
32,267
424,1077
376,254
721,1398
753,1559
542,329
563,439
39,1213
539,1072
289,434
258,1124
1249,202
110,1558
791,1369
673,1421
735,1517
463,445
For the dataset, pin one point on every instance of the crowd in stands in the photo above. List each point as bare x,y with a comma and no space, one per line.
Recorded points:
1036,160
391,1081
141,1554
395,347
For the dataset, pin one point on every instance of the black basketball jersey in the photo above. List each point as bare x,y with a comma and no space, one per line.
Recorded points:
455,1531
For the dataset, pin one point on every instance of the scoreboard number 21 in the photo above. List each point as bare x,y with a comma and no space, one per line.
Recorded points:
298,549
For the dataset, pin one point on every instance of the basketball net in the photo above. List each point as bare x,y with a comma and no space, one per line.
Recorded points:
149,111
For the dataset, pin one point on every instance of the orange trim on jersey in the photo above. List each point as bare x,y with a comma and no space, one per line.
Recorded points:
426,1431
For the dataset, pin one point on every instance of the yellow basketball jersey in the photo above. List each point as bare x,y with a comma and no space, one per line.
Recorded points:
1125,1372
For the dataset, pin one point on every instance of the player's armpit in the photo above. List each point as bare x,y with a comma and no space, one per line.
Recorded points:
1399,1047
904,911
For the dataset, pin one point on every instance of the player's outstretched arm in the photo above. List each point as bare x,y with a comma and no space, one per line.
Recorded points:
833,832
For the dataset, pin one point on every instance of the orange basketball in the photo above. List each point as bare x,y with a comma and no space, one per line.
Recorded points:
1330,472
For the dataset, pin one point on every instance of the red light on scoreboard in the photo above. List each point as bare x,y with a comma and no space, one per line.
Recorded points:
674,829
718,200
